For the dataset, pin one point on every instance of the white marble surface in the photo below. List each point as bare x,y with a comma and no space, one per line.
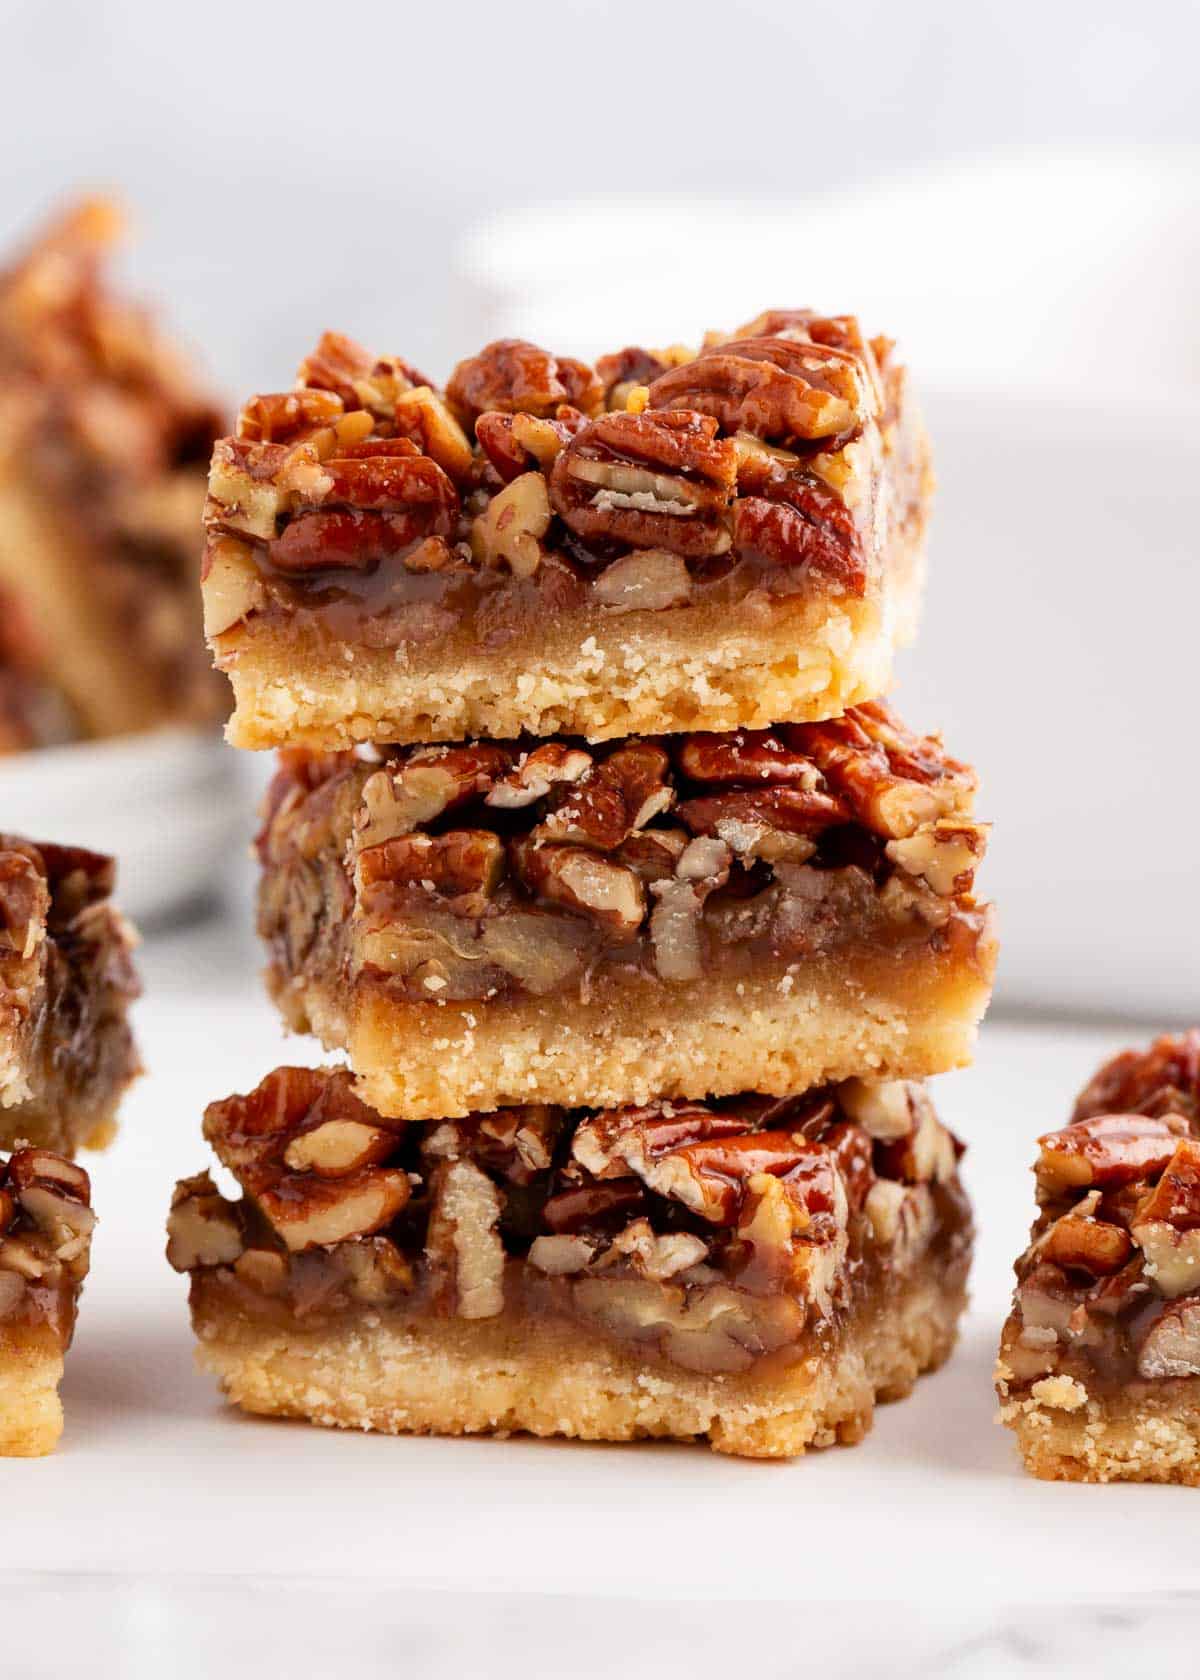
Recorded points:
169,1526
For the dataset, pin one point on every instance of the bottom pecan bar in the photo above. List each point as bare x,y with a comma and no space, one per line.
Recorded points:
755,1271
46,1225
66,983
1099,1371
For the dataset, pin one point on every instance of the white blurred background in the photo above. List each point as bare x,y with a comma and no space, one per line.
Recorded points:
1011,191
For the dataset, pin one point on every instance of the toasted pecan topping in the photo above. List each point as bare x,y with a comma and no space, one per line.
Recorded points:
759,1196
612,480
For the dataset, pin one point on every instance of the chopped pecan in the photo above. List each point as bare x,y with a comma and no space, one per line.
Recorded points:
578,878
421,416
1166,1224
660,481
463,1240
233,584
337,364
885,1109
927,1154
616,798
201,1227
647,580
654,1256
518,1143
511,529
675,924
1172,1344
536,772
781,389
1079,1243
515,443
944,855
423,786
561,1256
1107,1151
512,376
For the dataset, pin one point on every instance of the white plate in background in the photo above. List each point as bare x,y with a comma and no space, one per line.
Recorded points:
168,805
1045,304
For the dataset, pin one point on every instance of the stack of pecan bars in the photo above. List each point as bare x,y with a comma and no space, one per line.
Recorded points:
66,1056
638,916
103,440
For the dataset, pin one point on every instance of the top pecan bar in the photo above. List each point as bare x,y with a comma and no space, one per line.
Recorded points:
66,982
103,439
730,535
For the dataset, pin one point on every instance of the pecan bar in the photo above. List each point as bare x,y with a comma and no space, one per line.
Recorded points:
732,535
66,983
103,445
46,1225
1099,1370
486,924
755,1271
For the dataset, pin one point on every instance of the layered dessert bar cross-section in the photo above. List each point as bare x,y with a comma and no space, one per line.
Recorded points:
104,439
754,1272
487,924
66,983
730,537
1099,1370
46,1224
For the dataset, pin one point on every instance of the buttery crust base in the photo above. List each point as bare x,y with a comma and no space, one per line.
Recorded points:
31,1414
597,675
1113,1438
832,1018
438,1376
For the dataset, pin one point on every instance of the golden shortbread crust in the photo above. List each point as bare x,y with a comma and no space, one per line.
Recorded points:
545,1377
830,1018
745,665
31,1414
1143,1437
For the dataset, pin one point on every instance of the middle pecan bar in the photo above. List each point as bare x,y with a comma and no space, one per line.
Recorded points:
755,1271
733,535
488,924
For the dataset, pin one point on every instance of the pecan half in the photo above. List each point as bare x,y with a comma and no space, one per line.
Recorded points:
662,481
311,1205
373,503
781,389
516,443
1107,1151
467,861
512,375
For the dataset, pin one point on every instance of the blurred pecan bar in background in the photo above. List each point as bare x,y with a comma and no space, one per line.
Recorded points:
486,924
103,443
757,1272
46,1225
731,536
1099,1370
66,983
